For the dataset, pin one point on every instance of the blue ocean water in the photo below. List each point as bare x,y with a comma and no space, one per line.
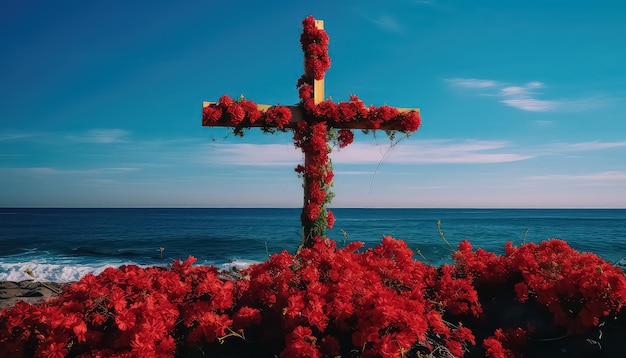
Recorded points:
64,244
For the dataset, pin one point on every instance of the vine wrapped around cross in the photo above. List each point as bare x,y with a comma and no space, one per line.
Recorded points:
314,122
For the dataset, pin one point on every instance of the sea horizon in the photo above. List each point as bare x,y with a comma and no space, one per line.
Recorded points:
330,207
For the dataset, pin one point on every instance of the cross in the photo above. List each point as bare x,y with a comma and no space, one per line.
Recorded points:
311,121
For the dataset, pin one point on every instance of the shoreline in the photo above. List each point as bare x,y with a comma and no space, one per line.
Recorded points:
29,291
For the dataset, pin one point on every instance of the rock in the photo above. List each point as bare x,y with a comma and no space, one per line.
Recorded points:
29,291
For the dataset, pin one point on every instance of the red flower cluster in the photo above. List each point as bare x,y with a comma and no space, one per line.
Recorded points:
321,302
317,173
242,113
505,344
128,312
378,303
315,47
579,289
354,110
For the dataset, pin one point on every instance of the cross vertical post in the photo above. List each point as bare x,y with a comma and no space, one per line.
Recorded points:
318,97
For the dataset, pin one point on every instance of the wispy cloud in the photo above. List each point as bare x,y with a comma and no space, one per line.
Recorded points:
531,104
471,82
421,152
354,172
99,135
526,97
388,23
442,151
593,178
432,152
587,146
523,97
16,136
254,154
544,123
43,171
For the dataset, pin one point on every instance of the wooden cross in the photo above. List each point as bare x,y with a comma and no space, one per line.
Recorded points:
298,114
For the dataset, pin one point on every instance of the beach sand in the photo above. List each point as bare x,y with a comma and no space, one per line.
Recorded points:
29,291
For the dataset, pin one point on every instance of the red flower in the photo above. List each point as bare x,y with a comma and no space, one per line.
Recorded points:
314,311
329,177
493,349
225,101
125,320
279,116
505,344
300,343
80,329
210,326
379,115
117,299
211,115
347,112
251,110
98,319
521,289
54,350
346,136
245,317
306,92
312,211
317,195
315,47
295,304
330,219
327,111
235,113
143,345
410,121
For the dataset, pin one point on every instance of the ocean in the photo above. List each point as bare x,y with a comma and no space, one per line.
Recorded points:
62,245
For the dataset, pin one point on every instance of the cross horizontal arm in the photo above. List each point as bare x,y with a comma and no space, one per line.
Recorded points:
297,115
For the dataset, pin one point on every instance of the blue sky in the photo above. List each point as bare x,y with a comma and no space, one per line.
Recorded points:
523,102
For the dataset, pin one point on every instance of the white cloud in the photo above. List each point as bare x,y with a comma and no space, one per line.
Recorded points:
526,97
99,135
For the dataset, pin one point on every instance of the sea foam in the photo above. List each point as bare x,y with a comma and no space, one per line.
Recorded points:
47,272
63,273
